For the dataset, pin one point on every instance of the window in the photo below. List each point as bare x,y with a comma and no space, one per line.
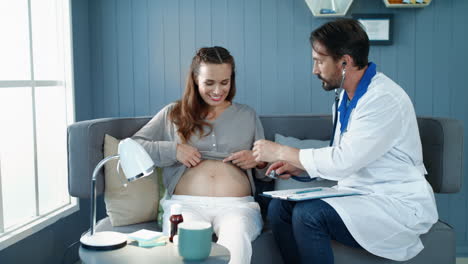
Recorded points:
35,108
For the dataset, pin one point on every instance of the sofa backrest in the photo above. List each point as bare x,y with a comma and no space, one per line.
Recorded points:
442,140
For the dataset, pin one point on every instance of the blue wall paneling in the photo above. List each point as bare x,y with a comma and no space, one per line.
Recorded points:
252,52
124,43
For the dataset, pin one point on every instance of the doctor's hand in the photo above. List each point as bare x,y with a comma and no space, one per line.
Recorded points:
188,155
243,159
284,169
265,150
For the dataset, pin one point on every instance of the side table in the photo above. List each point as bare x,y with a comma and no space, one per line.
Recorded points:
161,254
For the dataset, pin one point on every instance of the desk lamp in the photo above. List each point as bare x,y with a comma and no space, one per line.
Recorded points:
136,164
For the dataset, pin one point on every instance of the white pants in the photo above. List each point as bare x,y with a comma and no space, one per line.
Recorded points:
236,220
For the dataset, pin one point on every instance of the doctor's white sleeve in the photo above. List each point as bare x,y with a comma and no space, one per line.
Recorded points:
375,127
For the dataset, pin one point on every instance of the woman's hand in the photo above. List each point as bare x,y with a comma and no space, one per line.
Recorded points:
284,170
243,159
265,150
188,155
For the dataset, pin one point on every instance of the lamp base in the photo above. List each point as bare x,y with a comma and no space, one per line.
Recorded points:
106,240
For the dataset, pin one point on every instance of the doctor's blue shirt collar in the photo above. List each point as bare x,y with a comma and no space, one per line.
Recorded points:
345,109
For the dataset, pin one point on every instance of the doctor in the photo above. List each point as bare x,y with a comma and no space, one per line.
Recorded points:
376,150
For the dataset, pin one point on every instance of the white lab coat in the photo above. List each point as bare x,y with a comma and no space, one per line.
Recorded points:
379,154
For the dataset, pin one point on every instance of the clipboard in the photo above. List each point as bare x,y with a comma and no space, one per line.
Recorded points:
304,194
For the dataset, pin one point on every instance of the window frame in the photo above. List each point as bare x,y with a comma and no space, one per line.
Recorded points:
38,222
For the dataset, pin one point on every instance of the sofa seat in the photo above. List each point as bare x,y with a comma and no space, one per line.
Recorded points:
266,251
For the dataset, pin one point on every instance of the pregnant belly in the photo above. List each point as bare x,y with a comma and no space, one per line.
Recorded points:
214,178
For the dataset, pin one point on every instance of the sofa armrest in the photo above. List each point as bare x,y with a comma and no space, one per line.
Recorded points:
85,149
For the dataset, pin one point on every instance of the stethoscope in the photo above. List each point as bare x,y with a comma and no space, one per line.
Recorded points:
337,99
335,121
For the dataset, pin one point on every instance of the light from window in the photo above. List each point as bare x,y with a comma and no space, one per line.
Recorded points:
17,155
14,47
35,109
51,127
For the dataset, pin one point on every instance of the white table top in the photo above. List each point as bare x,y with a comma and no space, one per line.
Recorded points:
131,253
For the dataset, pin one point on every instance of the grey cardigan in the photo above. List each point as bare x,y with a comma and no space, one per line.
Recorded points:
237,128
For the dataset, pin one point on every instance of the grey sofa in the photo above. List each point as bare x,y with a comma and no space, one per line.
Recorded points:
442,148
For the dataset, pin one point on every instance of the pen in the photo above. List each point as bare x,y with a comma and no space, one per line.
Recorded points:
308,191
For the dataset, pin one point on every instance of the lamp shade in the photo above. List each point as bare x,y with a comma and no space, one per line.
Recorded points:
134,160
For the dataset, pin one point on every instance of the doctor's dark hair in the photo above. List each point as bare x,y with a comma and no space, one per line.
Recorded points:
190,112
343,36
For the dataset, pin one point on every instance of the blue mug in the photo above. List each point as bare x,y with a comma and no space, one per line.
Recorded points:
194,240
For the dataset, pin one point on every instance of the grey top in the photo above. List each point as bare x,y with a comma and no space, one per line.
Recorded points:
236,129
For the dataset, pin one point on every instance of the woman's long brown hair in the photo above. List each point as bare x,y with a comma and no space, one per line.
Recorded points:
190,112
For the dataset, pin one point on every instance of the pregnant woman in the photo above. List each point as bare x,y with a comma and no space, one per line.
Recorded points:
204,143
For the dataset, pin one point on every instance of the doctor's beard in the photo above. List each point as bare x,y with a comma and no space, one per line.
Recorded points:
329,85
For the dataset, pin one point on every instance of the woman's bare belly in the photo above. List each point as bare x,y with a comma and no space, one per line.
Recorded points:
214,178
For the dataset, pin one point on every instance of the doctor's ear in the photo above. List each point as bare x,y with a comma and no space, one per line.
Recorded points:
343,64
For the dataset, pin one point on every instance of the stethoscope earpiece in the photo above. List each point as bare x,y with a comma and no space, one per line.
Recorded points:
343,72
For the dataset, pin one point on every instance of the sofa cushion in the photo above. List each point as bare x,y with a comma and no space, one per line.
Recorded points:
136,203
434,251
265,250
301,144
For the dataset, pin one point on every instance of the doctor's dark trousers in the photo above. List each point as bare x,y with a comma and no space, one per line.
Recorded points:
303,230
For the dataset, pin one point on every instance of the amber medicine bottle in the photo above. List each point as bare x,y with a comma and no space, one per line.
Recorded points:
175,219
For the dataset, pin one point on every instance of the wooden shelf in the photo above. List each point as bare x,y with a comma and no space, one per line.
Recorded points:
338,7
400,4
